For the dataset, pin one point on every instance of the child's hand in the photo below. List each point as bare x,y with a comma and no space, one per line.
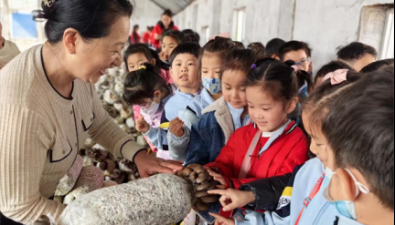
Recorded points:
164,56
222,220
176,127
219,178
142,126
233,199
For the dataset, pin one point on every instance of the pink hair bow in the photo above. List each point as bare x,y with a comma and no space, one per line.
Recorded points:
337,77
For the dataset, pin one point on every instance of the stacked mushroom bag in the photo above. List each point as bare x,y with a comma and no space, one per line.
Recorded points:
159,200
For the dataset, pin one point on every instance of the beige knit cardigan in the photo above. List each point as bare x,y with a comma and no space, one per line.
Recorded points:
41,133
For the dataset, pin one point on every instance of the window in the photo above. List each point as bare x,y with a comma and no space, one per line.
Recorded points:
206,34
239,24
387,50
23,27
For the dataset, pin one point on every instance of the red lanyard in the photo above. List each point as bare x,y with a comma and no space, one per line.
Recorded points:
312,195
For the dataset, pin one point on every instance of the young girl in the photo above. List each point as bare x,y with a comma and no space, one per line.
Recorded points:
170,40
273,145
148,90
211,62
256,194
328,68
220,120
136,56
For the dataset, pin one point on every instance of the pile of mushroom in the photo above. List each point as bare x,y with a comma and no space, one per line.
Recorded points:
162,199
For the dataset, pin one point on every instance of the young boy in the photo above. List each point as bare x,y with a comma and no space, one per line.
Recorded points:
273,47
298,52
184,71
357,55
359,149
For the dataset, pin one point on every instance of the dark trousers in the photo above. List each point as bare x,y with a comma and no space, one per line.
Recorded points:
5,221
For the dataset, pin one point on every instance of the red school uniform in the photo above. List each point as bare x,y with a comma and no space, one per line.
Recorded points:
285,150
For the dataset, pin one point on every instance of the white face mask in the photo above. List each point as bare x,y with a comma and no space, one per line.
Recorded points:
328,176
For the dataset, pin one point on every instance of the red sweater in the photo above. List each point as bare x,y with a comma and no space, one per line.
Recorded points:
158,30
288,151
147,37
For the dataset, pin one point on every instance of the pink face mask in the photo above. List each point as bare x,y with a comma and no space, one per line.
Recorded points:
153,114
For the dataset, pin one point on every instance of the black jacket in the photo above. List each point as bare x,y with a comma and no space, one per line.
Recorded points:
267,192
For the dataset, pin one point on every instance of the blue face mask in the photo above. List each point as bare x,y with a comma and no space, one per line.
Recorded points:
213,85
347,208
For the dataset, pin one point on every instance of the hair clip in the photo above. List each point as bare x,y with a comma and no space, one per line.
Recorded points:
337,77
253,66
49,3
142,68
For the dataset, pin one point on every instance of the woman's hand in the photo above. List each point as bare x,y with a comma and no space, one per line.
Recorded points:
233,199
149,165
176,127
142,126
220,220
219,178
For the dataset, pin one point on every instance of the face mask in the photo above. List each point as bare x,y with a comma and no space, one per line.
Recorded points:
328,177
213,85
153,109
347,208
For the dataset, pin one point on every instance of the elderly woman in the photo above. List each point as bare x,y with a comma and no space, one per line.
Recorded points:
48,105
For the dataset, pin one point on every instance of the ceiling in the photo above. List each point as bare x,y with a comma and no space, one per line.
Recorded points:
176,6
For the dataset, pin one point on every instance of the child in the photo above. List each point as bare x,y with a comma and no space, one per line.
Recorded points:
298,52
363,178
273,47
273,145
146,89
373,67
184,71
136,56
170,40
305,81
304,178
328,68
220,120
357,55
258,49
147,36
211,63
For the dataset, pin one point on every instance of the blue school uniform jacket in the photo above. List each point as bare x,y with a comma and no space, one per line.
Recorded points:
178,146
318,212
173,108
211,133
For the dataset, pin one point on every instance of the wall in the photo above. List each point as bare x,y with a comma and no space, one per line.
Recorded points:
145,14
325,25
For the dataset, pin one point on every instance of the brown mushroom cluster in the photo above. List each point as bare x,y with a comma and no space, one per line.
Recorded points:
202,182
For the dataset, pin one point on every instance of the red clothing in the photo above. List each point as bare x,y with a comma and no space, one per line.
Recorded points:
135,38
147,37
285,153
158,30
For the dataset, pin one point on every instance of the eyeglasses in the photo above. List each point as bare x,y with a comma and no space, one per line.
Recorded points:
303,62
